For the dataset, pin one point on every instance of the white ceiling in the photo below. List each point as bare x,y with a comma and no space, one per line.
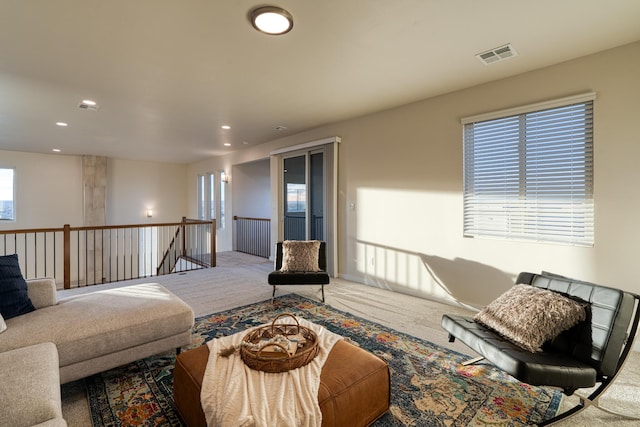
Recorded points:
168,73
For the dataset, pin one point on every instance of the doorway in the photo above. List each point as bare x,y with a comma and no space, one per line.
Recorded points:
306,192
304,201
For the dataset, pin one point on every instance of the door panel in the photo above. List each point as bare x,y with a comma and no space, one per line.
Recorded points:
304,201
317,196
295,200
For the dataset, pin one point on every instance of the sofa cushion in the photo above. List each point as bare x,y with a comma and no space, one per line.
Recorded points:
30,391
300,255
14,297
97,323
530,316
42,292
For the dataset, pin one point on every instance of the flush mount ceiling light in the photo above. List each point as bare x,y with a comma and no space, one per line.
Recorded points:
271,20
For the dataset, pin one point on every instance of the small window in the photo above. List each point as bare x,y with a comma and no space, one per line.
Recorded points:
7,192
529,176
207,196
212,196
201,197
222,180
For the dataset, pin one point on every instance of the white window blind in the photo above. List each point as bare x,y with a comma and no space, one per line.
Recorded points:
530,175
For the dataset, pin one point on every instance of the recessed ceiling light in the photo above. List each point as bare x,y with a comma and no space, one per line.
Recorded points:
245,142
89,102
226,144
271,20
225,127
56,150
62,124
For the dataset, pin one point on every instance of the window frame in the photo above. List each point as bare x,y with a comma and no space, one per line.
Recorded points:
13,195
211,197
510,197
221,206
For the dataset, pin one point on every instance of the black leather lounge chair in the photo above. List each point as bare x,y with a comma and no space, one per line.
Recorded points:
278,277
592,352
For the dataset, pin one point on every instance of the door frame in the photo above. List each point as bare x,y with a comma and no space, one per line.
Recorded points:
330,146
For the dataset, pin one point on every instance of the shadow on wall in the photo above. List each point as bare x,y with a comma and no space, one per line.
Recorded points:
469,283
467,280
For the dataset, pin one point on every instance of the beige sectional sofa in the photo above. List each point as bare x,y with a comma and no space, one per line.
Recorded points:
30,390
91,332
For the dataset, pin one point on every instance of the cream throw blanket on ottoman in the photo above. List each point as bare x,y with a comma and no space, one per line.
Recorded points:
234,395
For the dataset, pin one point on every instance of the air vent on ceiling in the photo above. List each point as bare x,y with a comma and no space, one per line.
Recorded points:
88,106
498,54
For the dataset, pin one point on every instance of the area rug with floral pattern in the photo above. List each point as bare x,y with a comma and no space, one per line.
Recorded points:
429,386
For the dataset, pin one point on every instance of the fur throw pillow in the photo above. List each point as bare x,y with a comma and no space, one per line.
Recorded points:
529,316
300,255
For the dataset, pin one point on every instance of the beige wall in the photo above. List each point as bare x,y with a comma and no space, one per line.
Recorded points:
135,186
49,190
251,195
401,171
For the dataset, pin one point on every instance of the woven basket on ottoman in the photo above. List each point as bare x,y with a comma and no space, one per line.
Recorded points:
354,386
252,349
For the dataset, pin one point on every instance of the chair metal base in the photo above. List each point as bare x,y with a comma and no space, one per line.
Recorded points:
472,361
585,401
273,294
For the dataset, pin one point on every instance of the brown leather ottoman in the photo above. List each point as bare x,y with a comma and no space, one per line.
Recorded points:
354,386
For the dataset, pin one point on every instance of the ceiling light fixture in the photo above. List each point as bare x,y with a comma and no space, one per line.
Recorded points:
271,20
226,144
226,127
56,150
62,124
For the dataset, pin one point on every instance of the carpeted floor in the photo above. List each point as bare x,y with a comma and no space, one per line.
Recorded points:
240,279
429,387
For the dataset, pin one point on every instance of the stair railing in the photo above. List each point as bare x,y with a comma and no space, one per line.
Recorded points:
82,256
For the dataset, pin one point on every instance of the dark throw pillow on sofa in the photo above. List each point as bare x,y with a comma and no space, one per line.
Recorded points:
14,298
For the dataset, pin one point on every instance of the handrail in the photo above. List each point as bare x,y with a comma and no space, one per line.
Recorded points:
253,236
101,254
212,243
30,230
181,230
167,252
235,218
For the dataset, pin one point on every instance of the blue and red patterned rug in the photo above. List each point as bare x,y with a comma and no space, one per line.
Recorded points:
429,386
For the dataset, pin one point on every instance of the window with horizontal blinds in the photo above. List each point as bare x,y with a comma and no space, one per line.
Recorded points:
530,175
